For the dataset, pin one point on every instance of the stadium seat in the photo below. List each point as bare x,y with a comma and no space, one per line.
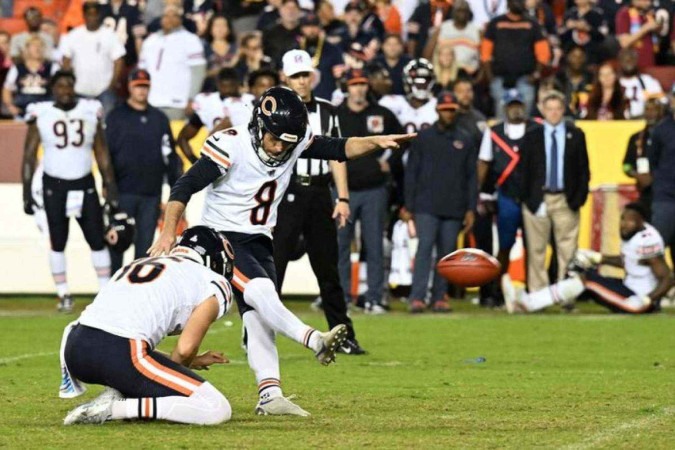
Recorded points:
12,25
664,74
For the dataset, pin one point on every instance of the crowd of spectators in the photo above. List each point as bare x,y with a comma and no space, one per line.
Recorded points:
608,59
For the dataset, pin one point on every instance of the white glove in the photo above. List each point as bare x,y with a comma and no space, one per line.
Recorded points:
639,300
587,259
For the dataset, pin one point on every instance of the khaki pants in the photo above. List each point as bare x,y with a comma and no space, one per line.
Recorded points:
565,223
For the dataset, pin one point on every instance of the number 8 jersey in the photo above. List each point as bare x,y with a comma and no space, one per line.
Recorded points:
246,197
67,136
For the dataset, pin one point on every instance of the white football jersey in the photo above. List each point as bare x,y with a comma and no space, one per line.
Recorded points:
152,298
645,244
67,136
211,109
245,199
638,90
412,119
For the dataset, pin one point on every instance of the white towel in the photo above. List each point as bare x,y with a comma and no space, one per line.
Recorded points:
70,387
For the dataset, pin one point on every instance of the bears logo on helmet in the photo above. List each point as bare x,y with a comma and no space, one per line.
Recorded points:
281,113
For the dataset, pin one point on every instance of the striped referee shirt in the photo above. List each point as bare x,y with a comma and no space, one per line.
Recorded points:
324,122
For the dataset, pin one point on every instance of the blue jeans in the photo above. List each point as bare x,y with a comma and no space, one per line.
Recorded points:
523,85
432,230
368,206
509,219
663,219
145,210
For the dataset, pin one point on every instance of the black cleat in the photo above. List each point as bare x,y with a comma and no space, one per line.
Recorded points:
351,347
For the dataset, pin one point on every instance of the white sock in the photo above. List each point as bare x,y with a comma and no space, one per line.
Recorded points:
262,354
57,264
562,292
101,261
206,406
261,295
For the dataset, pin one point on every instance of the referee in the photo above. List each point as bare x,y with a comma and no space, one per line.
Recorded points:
142,152
307,208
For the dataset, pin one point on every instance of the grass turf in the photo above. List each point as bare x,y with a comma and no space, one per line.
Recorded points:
587,380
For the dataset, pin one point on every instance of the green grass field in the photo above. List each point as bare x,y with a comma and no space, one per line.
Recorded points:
585,380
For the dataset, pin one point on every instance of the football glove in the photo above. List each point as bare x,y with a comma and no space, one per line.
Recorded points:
587,259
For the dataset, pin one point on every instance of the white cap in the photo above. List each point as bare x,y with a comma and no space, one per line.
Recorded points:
296,61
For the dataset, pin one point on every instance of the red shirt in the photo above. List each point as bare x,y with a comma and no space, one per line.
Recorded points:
645,46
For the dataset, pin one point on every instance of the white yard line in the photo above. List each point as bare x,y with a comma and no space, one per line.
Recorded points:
605,437
11,359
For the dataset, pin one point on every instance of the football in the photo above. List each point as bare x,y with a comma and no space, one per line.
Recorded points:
469,267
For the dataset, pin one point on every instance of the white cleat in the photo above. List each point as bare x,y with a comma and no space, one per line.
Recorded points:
279,406
109,394
330,342
511,296
97,411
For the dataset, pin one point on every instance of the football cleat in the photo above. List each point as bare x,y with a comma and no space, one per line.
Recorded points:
98,411
317,304
375,310
351,347
511,296
66,304
280,406
330,342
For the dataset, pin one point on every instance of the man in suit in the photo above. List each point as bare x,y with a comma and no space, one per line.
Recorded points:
555,186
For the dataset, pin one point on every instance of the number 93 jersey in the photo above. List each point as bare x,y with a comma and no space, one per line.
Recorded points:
67,136
152,298
246,197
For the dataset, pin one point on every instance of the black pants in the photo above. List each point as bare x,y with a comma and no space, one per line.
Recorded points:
307,210
128,365
145,211
91,220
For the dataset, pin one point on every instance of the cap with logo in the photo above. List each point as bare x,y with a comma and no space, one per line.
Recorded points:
139,77
296,61
447,101
513,96
356,76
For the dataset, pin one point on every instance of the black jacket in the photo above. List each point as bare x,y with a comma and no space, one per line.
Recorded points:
576,172
440,176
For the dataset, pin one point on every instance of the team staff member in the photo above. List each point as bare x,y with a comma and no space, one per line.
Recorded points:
499,170
69,130
368,178
441,191
306,208
142,152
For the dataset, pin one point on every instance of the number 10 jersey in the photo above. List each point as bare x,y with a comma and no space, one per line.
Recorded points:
67,136
246,197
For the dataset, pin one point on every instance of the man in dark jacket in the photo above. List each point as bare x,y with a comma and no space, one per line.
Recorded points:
368,193
142,153
441,192
555,170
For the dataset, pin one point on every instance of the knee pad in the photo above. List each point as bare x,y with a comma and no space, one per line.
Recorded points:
260,290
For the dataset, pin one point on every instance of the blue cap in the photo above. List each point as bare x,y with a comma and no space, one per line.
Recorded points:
511,96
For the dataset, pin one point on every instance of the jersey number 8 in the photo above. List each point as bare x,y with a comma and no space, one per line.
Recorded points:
264,197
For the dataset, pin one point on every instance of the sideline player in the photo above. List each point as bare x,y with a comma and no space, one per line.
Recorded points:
114,341
210,108
647,280
69,129
416,110
247,171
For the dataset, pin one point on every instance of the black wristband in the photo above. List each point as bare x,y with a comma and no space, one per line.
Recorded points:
344,200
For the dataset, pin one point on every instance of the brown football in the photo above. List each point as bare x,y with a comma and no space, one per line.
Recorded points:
469,267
